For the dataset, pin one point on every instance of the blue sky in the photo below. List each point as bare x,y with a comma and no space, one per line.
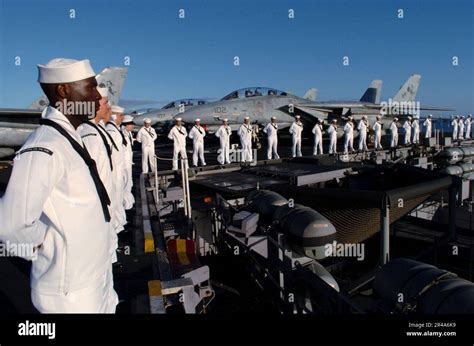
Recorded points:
175,58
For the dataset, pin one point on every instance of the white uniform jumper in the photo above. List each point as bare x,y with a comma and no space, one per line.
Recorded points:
407,127
197,134
147,137
272,135
363,129
223,133
245,132
416,131
427,125
348,137
378,135
318,139
467,123
296,129
393,135
55,201
454,123
129,200
332,131
178,136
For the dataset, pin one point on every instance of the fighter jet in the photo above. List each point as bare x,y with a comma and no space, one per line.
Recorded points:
17,124
161,117
261,103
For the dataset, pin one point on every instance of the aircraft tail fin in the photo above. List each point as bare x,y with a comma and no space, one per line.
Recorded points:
408,90
372,94
311,94
39,104
112,78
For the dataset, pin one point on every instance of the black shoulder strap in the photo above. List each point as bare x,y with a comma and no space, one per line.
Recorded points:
104,131
124,142
101,191
106,144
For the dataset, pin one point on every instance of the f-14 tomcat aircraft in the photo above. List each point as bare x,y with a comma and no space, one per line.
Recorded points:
165,114
261,103
17,124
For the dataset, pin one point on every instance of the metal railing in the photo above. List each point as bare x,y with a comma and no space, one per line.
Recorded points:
184,180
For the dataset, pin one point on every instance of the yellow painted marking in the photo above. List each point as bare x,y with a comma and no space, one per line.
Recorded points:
181,246
149,243
154,288
183,259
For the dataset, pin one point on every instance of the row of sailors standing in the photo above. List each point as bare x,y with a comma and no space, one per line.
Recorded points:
69,188
178,135
461,127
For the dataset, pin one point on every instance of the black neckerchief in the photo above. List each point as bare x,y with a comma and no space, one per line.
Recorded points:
249,129
84,154
149,132
179,130
108,136
275,126
106,144
227,130
299,124
124,142
198,129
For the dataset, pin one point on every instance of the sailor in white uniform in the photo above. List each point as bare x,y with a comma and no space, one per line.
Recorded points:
332,132
271,131
178,135
57,204
467,123
378,133
118,157
245,133
407,127
416,129
127,128
197,134
363,128
223,133
348,135
394,133
318,138
455,126
295,130
461,128
147,137
427,124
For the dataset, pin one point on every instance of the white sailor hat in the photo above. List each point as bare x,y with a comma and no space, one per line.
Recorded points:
297,116
104,92
179,119
246,118
364,117
61,70
225,120
430,115
274,118
197,120
395,119
147,120
334,120
127,119
117,109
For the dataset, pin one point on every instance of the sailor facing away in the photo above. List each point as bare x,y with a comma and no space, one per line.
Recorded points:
363,128
461,128
318,137
427,124
467,123
348,135
118,157
245,132
223,133
416,130
332,131
407,127
197,134
147,137
394,133
295,130
455,124
178,135
272,135
127,128
378,133
100,146
55,202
